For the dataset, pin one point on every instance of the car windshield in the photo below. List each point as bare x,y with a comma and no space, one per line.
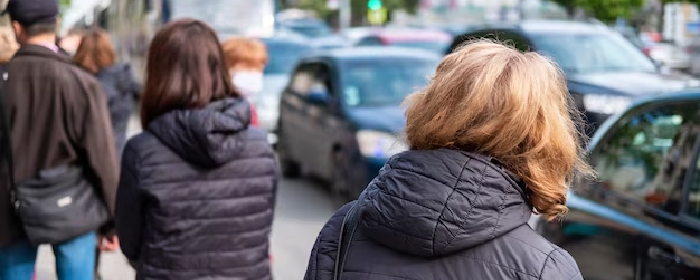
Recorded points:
592,53
433,46
384,82
284,56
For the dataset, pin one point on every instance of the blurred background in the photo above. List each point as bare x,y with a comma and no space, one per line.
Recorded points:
339,69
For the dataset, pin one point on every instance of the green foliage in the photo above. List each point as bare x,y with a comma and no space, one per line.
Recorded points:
605,10
63,3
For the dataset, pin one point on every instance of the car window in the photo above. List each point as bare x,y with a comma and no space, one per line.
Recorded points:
369,41
322,80
693,199
592,52
302,79
384,82
646,157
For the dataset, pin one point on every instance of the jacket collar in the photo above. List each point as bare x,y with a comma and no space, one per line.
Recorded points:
41,51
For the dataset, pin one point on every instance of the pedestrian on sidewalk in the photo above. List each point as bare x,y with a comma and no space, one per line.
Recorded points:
491,140
95,53
64,173
246,59
197,190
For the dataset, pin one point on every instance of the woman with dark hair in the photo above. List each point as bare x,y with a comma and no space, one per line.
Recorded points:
96,54
197,187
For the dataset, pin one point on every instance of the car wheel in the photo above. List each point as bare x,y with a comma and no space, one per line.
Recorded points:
290,168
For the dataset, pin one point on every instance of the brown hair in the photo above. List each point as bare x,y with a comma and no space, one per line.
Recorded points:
185,70
95,51
247,52
492,99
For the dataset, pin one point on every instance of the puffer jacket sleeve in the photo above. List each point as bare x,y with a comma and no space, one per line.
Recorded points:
322,260
560,266
129,209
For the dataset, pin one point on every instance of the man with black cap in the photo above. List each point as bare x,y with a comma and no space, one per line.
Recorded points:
58,117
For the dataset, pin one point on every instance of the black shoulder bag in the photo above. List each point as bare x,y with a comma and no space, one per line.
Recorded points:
58,204
347,230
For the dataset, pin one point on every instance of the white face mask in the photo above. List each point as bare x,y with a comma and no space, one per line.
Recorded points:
248,82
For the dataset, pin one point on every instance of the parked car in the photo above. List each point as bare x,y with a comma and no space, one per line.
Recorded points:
641,218
317,32
340,113
427,39
283,54
604,71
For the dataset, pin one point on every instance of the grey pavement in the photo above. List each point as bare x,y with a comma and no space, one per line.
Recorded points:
302,209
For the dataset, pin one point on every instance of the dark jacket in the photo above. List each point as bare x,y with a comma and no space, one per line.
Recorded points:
444,215
196,196
58,116
118,84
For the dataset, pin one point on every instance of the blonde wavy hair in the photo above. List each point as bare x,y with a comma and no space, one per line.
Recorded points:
490,98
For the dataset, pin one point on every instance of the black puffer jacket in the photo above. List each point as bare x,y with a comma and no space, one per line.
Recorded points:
118,83
196,196
444,215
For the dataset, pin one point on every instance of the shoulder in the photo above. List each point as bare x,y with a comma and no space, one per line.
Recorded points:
545,259
560,265
140,144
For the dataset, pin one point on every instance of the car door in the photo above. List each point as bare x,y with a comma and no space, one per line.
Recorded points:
323,116
686,259
293,125
626,224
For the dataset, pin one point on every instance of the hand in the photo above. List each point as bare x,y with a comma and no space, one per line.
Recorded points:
109,243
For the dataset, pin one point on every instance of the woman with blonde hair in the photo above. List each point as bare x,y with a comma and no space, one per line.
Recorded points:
491,140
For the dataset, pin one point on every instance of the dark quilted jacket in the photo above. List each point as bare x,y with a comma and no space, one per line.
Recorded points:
117,82
196,196
443,215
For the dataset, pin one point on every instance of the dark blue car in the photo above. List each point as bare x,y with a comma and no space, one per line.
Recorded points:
641,219
340,113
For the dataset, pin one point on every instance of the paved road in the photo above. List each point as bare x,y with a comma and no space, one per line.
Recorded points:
302,209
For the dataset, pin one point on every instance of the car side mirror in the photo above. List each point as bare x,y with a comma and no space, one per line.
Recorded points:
318,98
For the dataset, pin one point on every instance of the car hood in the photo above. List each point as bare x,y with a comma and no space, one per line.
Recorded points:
631,83
388,119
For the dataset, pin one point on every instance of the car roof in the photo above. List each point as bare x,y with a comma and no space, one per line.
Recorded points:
356,53
403,34
543,26
285,39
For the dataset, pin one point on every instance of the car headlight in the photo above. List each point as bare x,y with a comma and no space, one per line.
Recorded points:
378,144
605,104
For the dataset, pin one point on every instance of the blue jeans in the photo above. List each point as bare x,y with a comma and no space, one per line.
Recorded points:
75,259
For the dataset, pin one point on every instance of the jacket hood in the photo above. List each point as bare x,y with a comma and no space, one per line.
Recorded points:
207,137
434,203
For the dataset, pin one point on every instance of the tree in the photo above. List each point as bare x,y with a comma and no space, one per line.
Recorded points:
603,10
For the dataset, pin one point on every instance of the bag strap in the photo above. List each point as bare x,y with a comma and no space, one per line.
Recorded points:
347,230
6,131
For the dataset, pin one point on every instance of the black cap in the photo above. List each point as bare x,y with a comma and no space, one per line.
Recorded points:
30,12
